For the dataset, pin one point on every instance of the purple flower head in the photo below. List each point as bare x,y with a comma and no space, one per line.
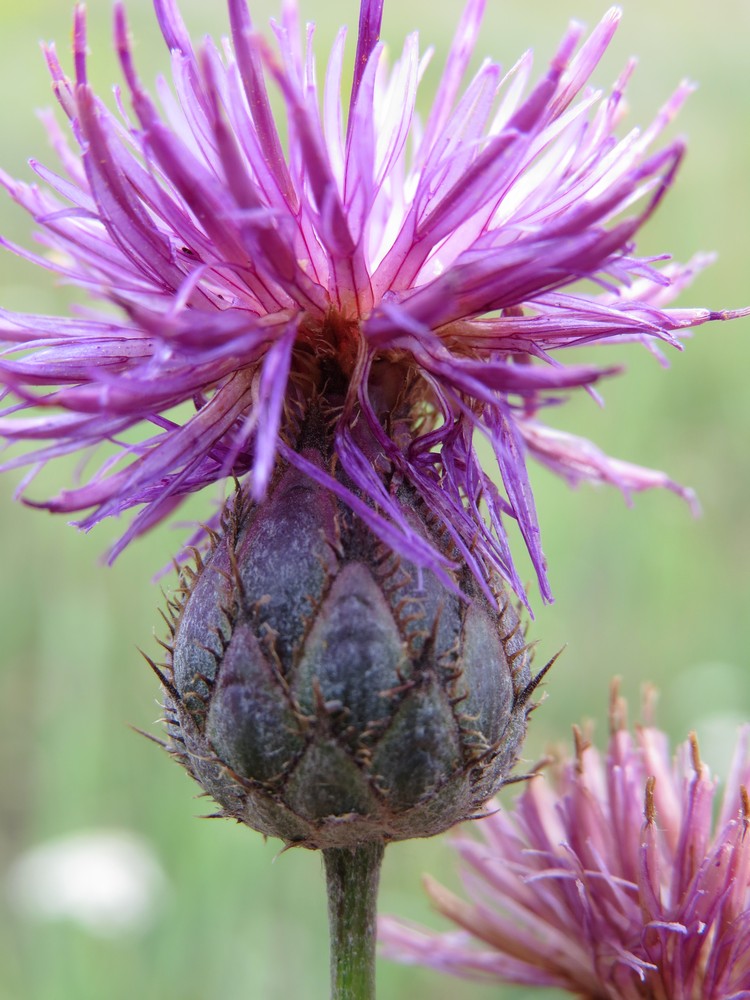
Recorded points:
420,277
611,877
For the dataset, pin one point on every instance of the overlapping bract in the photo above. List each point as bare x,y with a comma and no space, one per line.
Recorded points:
451,248
615,876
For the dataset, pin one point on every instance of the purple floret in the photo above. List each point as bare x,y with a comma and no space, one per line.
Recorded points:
616,876
452,250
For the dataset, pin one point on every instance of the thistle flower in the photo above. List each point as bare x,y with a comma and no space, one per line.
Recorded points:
612,876
417,278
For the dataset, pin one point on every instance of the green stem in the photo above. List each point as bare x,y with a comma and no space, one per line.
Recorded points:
352,876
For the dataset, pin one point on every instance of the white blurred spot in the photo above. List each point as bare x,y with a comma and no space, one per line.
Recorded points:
108,881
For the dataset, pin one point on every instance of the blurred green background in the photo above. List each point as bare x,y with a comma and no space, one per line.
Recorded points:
649,593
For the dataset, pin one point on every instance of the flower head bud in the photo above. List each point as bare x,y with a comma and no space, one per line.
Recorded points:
325,692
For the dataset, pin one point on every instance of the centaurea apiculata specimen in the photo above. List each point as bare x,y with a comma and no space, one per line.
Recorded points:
342,312
430,269
612,876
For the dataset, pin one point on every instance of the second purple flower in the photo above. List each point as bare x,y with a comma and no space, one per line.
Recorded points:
620,876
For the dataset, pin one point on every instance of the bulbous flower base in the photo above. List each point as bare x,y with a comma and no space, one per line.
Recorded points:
326,692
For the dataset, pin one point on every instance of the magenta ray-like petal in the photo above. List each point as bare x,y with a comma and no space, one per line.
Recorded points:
231,242
611,876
